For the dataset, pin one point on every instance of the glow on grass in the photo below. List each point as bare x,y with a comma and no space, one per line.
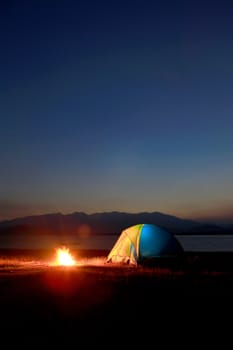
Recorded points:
63,257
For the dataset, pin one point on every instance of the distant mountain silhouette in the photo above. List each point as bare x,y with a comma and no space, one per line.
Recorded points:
102,223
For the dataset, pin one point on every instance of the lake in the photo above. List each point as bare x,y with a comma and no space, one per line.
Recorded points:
204,243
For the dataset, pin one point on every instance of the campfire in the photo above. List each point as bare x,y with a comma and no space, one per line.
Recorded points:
63,257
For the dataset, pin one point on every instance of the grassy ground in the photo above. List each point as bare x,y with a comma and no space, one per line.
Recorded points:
85,304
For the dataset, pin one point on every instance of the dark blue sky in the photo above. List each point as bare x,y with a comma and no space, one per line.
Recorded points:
116,105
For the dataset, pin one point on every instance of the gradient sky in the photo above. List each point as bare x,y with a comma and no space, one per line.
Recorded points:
116,105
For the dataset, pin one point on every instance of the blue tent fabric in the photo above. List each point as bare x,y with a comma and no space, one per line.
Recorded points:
157,242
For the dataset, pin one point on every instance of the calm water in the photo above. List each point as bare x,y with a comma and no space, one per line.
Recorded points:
189,243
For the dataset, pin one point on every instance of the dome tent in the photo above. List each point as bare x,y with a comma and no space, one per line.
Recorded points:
142,242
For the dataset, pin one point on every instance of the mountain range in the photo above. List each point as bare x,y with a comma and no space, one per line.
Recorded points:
104,223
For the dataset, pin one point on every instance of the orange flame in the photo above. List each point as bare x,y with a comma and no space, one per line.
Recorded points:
64,258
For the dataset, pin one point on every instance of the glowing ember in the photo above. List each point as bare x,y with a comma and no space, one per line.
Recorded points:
64,258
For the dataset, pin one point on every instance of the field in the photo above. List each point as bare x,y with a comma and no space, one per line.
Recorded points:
86,303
